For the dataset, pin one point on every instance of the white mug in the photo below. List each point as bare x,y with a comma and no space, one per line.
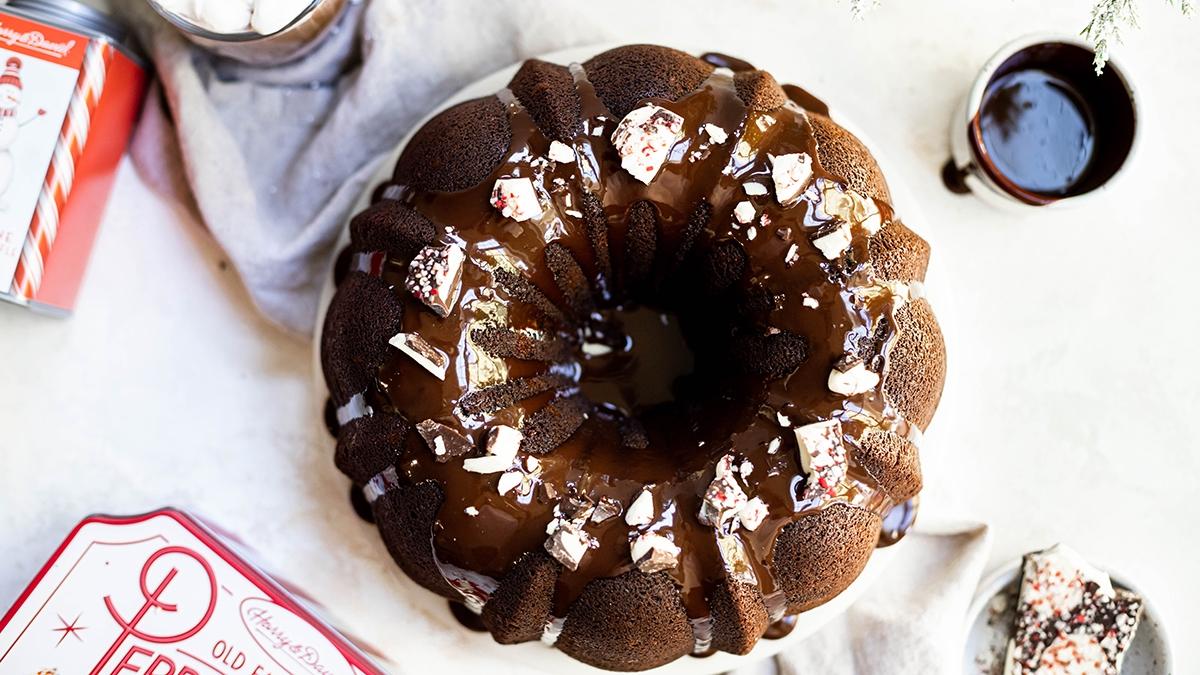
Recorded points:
971,170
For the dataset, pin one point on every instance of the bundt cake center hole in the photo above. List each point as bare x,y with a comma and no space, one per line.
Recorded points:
632,357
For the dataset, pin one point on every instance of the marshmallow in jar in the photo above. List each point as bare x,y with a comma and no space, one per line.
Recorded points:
263,32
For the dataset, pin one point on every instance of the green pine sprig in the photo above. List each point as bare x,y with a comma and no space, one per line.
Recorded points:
1109,18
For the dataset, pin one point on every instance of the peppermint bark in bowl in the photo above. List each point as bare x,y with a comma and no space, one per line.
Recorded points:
1070,618
1054,613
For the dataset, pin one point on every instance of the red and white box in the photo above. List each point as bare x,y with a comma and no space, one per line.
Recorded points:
162,594
70,93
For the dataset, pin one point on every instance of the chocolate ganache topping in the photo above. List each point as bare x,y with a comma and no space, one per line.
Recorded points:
652,338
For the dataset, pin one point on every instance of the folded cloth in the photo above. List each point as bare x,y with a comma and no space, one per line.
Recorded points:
272,159
912,620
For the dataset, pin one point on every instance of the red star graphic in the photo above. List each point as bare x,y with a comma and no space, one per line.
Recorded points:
72,628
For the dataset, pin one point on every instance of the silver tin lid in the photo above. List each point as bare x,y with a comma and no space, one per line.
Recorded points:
77,16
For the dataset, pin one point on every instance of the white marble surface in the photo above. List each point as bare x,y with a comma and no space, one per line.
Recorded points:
1068,411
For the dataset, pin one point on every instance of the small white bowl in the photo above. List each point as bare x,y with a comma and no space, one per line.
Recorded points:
992,613
291,42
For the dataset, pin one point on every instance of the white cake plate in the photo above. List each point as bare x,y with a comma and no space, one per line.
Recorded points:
536,655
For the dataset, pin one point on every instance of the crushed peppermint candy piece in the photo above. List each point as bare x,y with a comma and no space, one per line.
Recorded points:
870,219
471,511
1070,618
445,442
835,201
850,207
487,464
810,302
792,255
561,152
834,242
725,468
577,509
641,511
644,140
755,189
523,478
736,559
851,377
753,513
717,134
353,409
899,292
653,552
502,444
435,277
745,469
791,174
606,507
744,212
516,198
504,441
822,457
595,349
508,481
426,355
380,484
568,543
723,498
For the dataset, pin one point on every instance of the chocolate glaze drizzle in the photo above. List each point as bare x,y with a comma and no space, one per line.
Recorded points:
720,408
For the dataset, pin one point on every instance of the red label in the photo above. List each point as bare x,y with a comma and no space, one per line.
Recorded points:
41,41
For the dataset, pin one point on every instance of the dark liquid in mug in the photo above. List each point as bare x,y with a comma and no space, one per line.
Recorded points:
1048,127
1038,131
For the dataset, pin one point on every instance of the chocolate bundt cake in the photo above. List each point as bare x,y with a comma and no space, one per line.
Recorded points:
633,357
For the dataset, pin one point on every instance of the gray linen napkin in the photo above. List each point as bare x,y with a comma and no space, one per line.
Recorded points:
271,159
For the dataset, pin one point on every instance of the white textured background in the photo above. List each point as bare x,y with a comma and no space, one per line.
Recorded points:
1069,413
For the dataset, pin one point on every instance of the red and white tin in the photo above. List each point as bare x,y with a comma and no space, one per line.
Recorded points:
161,594
70,92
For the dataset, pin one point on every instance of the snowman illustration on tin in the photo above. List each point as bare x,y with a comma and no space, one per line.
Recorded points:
11,92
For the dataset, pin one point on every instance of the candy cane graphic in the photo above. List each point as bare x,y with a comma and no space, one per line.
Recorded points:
61,176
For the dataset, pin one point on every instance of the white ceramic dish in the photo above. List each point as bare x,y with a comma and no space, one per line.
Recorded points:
991,616
536,655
